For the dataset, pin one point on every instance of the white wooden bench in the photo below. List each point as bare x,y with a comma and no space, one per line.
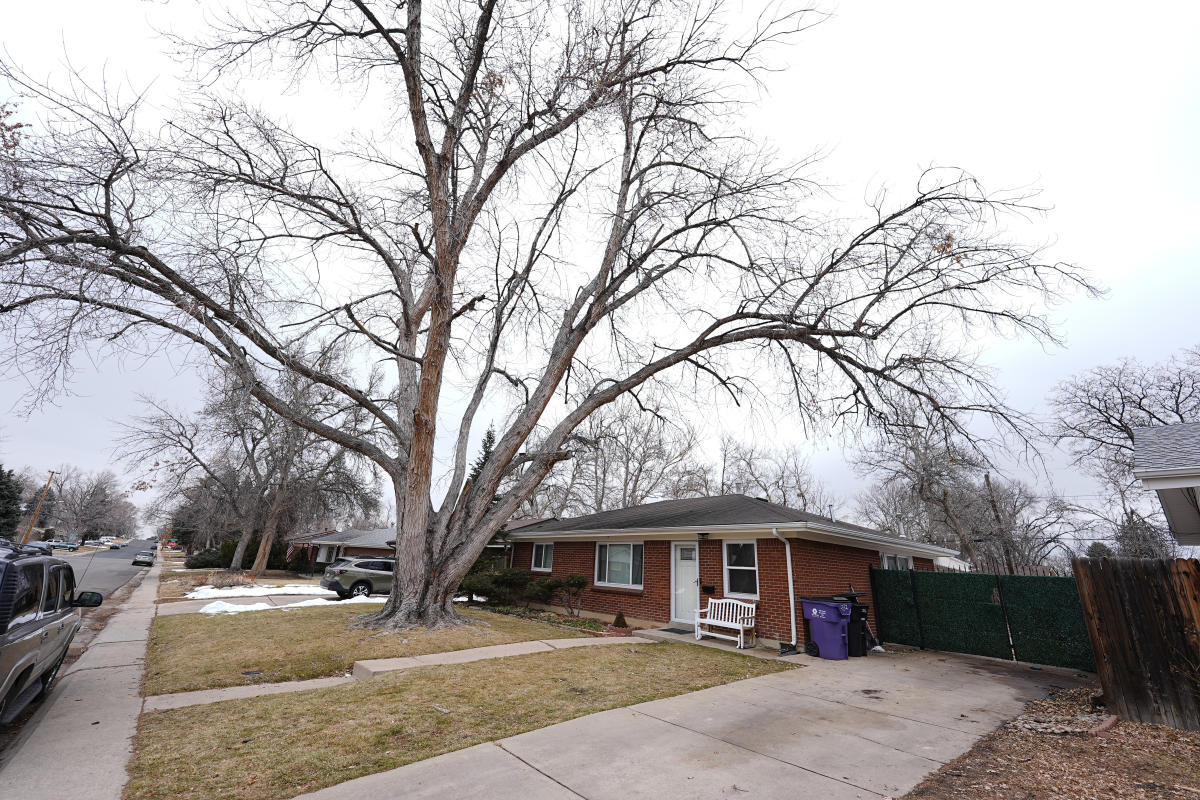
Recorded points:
730,615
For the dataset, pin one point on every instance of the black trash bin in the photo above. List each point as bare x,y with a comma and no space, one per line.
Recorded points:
858,634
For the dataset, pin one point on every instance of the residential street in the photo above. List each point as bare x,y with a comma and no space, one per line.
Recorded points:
105,571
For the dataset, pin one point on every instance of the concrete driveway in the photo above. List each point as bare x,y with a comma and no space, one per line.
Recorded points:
865,728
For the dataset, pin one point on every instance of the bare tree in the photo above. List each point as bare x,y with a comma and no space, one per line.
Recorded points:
91,504
624,456
931,488
779,475
564,213
1096,413
266,473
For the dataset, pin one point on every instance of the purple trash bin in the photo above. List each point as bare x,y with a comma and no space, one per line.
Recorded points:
827,625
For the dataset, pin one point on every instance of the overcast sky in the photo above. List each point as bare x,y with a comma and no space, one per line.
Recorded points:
1095,105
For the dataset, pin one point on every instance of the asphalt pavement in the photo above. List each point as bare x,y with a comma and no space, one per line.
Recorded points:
105,571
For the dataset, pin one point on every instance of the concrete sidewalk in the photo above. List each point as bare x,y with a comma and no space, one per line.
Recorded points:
90,717
837,730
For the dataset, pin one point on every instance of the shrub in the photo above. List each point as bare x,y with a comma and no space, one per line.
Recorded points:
566,591
571,592
542,590
478,583
206,559
619,620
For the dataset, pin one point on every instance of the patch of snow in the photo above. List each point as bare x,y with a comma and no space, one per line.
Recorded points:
254,590
221,607
320,601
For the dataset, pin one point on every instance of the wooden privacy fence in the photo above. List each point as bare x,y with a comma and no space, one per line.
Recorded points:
1034,618
1143,617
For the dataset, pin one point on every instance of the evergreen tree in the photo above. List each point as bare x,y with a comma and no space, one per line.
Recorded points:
10,502
485,452
1099,550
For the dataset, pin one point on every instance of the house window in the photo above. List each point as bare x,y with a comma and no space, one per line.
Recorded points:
891,561
543,557
741,569
619,565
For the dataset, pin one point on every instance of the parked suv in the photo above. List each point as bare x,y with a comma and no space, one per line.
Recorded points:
38,619
59,544
356,577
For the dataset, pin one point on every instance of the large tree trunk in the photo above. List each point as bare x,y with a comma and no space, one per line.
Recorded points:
270,527
423,589
239,553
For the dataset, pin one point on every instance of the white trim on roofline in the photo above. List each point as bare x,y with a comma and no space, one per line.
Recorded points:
816,531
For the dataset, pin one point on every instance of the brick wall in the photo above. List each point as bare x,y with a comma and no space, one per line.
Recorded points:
579,558
819,569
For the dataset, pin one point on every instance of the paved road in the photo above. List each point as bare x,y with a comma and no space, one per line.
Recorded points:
105,571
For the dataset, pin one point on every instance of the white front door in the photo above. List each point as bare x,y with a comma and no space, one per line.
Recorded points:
685,581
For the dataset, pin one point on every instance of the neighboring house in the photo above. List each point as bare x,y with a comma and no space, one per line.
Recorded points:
325,548
657,563
1167,460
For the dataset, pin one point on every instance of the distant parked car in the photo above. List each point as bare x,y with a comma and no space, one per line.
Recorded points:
38,619
61,545
92,543
358,577
144,558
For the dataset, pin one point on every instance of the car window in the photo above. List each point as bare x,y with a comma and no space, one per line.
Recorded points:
53,587
28,596
68,587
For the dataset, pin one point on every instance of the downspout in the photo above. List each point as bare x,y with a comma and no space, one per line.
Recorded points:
787,546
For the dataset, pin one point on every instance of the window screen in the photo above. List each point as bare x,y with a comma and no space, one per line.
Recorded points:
543,556
741,568
619,564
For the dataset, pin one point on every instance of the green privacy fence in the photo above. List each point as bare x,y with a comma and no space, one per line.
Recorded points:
1033,618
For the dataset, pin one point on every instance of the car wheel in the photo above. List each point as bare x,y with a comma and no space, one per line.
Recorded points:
360,589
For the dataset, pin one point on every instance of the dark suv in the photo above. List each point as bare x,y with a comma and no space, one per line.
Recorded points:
38,618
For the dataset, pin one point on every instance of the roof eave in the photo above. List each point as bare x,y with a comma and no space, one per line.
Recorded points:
814,530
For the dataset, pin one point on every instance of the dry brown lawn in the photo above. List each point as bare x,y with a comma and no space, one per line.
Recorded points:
281,746
199,651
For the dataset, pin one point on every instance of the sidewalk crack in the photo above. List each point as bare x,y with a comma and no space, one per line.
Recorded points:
538,771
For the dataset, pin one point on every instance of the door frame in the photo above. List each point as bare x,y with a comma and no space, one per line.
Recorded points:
695,544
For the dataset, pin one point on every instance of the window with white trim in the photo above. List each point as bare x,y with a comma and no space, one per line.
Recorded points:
619,564
543,556
893,561
741,569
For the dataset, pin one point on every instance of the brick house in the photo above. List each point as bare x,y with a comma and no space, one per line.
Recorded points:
658,562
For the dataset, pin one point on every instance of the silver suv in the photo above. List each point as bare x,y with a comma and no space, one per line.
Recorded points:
38,618
357,577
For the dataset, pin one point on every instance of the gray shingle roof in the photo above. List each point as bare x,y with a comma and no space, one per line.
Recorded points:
729,509
1167,447
372,538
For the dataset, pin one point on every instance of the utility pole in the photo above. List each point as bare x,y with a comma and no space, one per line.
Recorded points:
37,511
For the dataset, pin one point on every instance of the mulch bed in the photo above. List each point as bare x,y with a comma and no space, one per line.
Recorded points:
1047,753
